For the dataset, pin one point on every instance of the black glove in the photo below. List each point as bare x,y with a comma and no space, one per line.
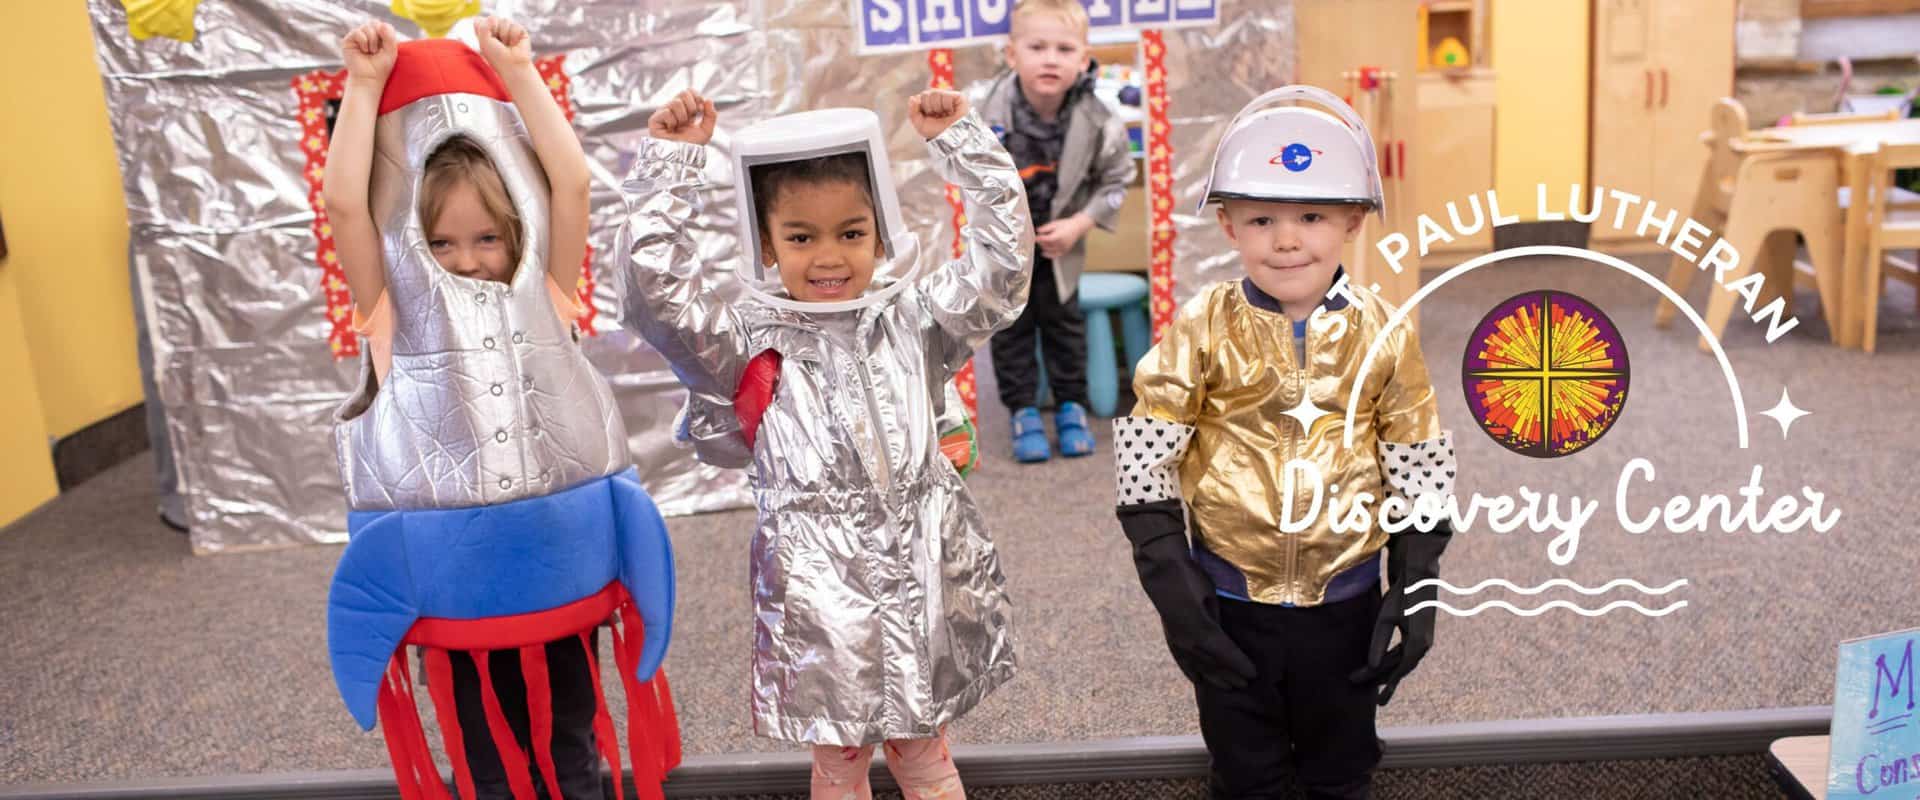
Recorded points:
1182,593
1412,556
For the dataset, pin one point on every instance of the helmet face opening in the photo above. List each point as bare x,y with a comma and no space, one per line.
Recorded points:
762,147
1296,154
442,92
759,170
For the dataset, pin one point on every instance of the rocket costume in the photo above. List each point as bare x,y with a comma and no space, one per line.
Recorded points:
492,503
879,605
1284,634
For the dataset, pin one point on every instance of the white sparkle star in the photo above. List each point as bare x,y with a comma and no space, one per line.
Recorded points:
1306,412
1784,413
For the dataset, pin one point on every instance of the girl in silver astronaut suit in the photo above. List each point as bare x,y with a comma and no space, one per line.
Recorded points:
880,611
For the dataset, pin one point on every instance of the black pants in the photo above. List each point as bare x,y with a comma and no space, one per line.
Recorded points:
1062,331
1300,716
575,760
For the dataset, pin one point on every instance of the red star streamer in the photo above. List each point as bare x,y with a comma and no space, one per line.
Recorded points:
1159,183
940,63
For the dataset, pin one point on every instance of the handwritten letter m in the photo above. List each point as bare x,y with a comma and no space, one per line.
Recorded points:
1893,679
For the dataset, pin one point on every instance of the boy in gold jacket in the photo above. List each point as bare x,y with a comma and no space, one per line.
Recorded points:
1275,611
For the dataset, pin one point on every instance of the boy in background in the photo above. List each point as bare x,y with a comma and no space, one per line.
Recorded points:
1073,157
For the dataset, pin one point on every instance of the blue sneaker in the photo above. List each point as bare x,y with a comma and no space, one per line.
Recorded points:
1070,424
1029,437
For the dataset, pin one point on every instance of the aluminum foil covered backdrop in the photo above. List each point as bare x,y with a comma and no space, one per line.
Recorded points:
1211,73
210,154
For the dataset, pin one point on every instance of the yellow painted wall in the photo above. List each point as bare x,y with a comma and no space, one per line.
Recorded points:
26,463
1540,120
66,222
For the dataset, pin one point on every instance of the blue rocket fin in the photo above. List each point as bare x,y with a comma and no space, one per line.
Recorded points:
646,566
370,607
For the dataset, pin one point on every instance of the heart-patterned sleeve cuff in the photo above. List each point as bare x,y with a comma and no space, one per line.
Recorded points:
1146,457
1416,469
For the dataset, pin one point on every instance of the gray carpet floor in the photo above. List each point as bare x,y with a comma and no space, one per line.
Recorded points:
127,657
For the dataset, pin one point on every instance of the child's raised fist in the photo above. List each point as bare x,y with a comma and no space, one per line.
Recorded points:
933,110
503,42
688,117
369,51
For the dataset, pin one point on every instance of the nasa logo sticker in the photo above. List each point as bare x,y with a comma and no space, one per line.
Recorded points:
1296,157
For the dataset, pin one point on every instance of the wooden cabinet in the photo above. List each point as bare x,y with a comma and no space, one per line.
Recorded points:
1658,67
1336,41
1454,154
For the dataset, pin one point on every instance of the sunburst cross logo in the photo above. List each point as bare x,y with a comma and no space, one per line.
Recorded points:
1545,373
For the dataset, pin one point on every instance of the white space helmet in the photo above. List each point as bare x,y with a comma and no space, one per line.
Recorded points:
1295,153
814,134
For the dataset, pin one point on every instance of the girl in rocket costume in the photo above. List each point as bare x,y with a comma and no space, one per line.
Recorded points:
880,612
495,519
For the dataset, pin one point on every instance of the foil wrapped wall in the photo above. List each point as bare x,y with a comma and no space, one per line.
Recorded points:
1211,73
210,155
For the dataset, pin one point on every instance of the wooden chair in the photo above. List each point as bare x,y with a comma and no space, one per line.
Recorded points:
1893,223
1726,122
1778,194
1841,118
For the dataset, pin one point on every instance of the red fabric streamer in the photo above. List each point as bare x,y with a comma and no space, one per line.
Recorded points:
603,736
432,785
405,770
653,728
649,765
440,686
533,666
512,758
669,729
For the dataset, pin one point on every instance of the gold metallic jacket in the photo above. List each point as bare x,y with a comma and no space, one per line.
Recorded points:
1223,376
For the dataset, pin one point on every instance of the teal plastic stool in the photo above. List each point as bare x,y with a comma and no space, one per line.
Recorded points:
1104,295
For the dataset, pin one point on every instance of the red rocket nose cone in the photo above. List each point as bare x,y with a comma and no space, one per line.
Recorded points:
427,67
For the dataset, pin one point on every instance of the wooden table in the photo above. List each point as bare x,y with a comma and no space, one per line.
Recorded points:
1850,143
1863,135
1799,764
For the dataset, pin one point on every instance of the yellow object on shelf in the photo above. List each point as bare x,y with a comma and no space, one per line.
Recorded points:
1451,53
1422,22
436,17
170,18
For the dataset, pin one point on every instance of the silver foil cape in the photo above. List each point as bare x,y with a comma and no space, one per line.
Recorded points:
489,399
222,243
879,606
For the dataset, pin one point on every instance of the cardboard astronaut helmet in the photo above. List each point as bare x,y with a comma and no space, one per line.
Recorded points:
1295,153
817,134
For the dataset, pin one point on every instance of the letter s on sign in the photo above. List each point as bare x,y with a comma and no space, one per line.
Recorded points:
884,16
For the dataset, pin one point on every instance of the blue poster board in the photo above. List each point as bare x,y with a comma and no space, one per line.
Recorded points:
1876,737
887,26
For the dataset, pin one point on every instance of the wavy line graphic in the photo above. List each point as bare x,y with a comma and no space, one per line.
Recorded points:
1509,586
1549,605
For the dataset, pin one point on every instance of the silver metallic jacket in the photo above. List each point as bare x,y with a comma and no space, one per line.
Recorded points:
879,607
490,398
